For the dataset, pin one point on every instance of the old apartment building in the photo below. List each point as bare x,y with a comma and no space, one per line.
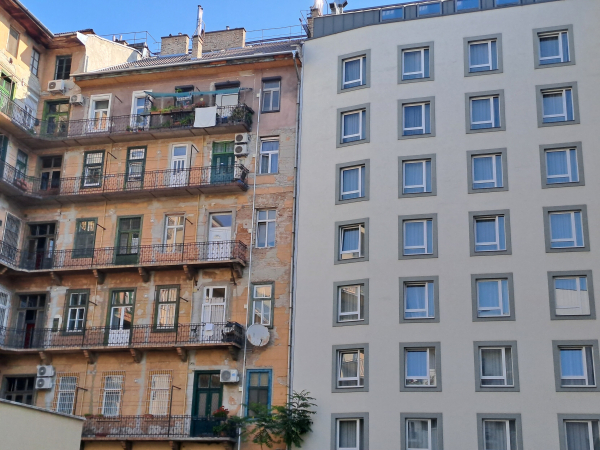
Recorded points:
449,226
146,208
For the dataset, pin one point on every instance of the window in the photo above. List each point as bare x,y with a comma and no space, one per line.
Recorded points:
354,72
420,366
266,228
462,5
418,236
349,434
416,177
136,160
353,126
566,228
490,233
350,368
85,238
50,173
557,104
22,159
430,9
350,305
34,66
4,306
485,113
259,389
392,14
159,392
499,432
174,233
13,42
578,431
415,62
493,297
487,171
269,157
65,393
20,389
271,95
416,119
62,70
483,55
262,304
419,299
93,164
421,431
571,295
562,165
553,46
352,181
77,303
99,113
497,368
111,393
575,364
167,303
351,242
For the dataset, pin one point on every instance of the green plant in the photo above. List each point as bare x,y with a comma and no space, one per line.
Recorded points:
221,413
187,120
154,108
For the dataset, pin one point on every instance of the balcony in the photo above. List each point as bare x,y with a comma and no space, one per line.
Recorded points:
142,428
209,179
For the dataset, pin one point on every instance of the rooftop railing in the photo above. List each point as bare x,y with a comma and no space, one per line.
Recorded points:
133,336
198,177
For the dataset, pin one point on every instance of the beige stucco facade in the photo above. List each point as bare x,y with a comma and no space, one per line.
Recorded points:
537,400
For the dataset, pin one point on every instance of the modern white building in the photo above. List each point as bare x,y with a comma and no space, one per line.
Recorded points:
449,226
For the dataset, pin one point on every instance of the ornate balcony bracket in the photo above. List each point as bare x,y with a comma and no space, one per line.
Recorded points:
136,355
90,356
174,445
56,279
144,274
100,276
189,271
234,351
45,358
182,353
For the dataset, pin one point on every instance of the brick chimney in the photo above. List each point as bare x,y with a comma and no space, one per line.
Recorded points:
197,43
224,39
315,11
175,45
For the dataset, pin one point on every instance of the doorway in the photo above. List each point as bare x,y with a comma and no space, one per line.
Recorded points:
40,246
128,240
207,398
56,118
179,166
120,318
10,243
223,163
213,312
50,174
219,236
30,317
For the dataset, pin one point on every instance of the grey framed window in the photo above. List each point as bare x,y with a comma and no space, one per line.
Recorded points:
578,431
34,65
350,368
269,156
489,233
415,62
420,431
351,303
62,70
352,181
419,299
493,297
262,296
487,170
562,165
557,104
566,229
351,241
496,366
354,71
465,5
350,431
485,111
483,55
266,224
499,431
417,175
430,9
420,366
416,118
553,46
575,365
417,236
271,95
353,125
571,295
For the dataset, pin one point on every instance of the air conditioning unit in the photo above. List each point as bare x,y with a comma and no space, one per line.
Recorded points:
45,371
240,149
242,138
230,376
44,383
76,99
56,86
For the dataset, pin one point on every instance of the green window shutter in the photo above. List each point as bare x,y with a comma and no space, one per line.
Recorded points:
85,238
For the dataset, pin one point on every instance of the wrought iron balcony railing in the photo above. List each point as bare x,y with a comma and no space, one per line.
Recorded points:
17,114
143,255
195,177
134,336
157,427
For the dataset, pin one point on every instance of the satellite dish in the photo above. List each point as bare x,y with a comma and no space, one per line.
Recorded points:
258,335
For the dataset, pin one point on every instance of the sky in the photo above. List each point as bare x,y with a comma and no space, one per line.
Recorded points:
164,17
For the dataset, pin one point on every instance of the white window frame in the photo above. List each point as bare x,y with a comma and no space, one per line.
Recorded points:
269,154
360,80
350,252
4,306
426,310
132,175
585,368
590,432
423,162
339,380
102,124
423,127
337,434
63,392
266,221
504,376
494,170
358,191
106,392
561,53
582,306
266,90
497,228
424,246
422,71
492,120
490,55
569,173
427,377
265,319
500,307
86,177
507,436
573,238
79,311
360,112
357,313
563,92
175,228
429,442
159,397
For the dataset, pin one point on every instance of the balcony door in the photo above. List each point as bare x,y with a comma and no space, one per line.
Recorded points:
174,233
228,99
99,114
219,236
56,118
122,304
30,317
213,312
50,174
223,163
128,241
40,247
10,243
179,166
207,398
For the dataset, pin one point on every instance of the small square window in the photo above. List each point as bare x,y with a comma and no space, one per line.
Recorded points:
419,299
417,176
415,62
420,367
350,431
416,118
351,243
354,71
493,297
418,236
566,229
578,431
487,171
490,233
497,367
421,431
353,125
483,56
557,105
350,368
575,364
571,295
485,111
553,46
499,432
561,166
352,182
350,304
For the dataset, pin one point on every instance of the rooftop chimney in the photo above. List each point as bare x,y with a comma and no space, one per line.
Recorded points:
198,37
337,8
175,45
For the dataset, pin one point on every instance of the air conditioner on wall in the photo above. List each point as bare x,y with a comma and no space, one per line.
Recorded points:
240,149
76,99
44,383
45,371
56,86
241,138
230,376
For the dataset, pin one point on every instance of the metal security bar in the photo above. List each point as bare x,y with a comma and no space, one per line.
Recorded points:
136,336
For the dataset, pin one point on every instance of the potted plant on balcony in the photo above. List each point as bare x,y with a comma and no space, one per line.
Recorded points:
154,110
148,416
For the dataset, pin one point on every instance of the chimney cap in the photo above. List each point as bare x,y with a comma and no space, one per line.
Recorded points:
227,27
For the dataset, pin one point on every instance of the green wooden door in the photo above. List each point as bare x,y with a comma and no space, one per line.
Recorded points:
207,398
223,163
128,240
56,118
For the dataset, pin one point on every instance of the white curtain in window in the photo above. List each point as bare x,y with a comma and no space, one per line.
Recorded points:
417,434
347,437
351,124
557,163
412,62
481,110
480,54
349,365
350,180
350,239
414,234
415,297
553,104
578,436
549,46
352,70
495,435
413,116
561,226
349,300
491,366
413,173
